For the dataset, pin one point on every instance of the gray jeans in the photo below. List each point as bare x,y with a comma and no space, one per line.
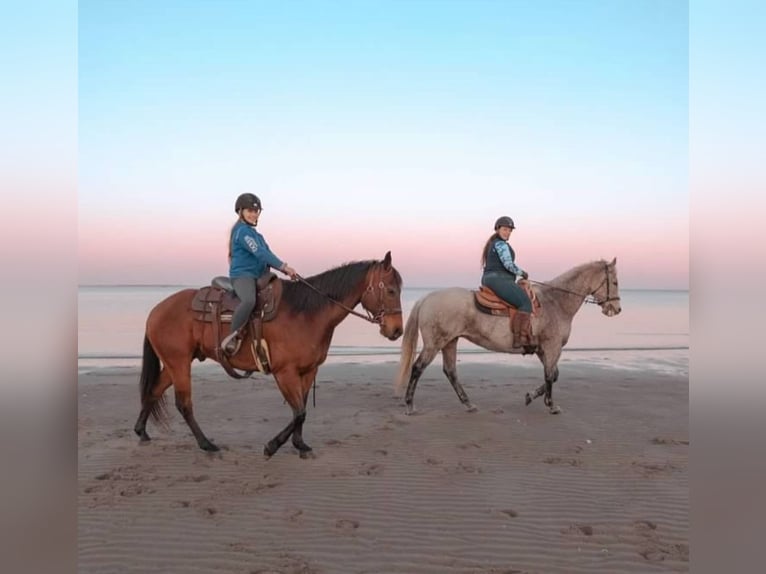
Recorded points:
244,288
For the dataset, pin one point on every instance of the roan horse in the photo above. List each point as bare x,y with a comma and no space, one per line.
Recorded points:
298,340
443,316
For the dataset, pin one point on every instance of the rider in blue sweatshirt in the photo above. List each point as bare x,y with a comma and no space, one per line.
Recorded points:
249,258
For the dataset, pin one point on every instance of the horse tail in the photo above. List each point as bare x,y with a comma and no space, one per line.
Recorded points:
150,374
409,343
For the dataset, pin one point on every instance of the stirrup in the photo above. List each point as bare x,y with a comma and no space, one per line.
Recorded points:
231,344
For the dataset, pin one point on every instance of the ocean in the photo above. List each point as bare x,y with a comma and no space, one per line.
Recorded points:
651,332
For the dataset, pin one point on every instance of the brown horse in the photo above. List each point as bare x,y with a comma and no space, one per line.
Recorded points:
298,340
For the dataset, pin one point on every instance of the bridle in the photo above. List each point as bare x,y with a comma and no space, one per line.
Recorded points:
377,317
588,297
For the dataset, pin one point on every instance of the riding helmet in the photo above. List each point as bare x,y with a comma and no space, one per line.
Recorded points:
504,221
249,200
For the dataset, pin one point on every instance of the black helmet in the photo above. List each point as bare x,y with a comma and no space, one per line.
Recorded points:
249,200
504,221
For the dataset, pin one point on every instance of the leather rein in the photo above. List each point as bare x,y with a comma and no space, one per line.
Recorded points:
376,318
588,297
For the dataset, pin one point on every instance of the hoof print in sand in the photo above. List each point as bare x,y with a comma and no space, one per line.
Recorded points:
653,549
346,525
669,441
579,530
650,469
371,469
563,461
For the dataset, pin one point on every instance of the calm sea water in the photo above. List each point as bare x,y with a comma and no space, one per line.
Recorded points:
652,328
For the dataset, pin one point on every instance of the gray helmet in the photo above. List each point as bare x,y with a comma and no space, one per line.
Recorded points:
504,221
249,200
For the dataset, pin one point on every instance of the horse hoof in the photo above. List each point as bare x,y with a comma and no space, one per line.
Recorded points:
471,408
306,454
527,399
209,447
269,450
410,410
555,410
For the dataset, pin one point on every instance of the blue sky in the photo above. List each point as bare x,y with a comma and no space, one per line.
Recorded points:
417,120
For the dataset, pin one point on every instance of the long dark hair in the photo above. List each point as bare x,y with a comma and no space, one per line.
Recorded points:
484,251
231,234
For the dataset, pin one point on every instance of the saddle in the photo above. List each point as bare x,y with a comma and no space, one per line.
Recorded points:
488,302
215,305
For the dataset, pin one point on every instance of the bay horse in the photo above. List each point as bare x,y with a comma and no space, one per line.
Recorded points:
443,316
298,340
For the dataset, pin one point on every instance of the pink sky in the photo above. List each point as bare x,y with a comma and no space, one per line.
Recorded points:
429,255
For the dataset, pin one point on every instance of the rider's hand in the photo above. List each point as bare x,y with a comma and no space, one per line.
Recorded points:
524,275
287,270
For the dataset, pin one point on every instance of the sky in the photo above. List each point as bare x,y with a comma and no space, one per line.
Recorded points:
372,126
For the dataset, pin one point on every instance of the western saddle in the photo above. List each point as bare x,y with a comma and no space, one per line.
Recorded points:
488,302
215,304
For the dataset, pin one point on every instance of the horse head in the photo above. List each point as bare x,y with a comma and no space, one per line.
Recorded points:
607,294
382,297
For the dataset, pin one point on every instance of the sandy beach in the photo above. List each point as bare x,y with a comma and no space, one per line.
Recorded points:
601,487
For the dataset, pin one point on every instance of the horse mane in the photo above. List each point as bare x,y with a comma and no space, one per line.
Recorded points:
568,276
335,283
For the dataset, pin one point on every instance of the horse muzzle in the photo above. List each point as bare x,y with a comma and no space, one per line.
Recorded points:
391,327
611,308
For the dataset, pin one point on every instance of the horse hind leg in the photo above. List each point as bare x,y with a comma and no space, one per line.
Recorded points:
163,383
182,383
449,366
424,359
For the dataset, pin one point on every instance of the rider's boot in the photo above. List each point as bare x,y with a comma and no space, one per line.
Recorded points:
516,328
522,331
230,345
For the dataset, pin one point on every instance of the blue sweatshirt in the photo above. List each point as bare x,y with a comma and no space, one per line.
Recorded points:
250,254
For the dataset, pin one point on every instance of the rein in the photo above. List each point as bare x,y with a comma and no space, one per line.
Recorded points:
587,297
377,318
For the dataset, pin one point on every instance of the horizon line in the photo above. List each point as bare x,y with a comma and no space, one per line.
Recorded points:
431,287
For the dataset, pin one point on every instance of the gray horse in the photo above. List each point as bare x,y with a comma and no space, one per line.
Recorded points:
443,316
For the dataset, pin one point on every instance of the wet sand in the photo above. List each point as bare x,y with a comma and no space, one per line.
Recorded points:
601,487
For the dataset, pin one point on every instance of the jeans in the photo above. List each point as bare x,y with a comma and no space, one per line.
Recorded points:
506,288
244,288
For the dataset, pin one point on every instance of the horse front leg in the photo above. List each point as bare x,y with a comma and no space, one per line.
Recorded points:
276,443
449,362
551,378
549,358
290,385
304,450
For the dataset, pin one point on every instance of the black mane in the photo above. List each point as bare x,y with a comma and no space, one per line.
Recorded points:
335,283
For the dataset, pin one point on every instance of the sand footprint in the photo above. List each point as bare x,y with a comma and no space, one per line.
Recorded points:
563,461
669,441
346,525
371,469
651,469
578,529
655,550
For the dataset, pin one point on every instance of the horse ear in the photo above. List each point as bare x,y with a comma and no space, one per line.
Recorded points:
387,261
613,263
